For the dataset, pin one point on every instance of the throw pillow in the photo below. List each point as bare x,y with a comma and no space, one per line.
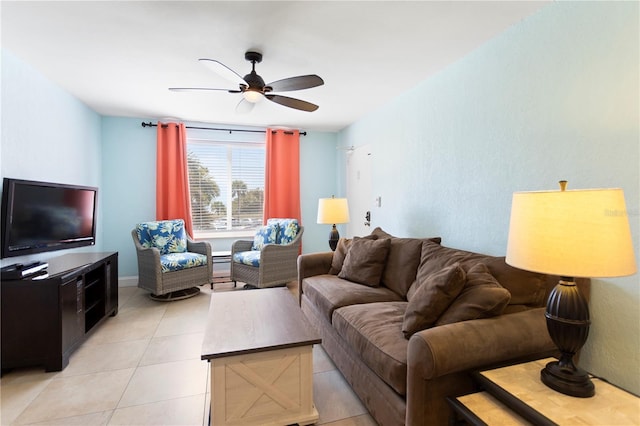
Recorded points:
287,231
432,297
341,252
365,261
481,297
168,236
267,234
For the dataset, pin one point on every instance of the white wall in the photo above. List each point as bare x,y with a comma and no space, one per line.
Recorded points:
554,97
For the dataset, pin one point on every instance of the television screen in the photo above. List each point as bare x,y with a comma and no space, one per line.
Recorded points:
42,216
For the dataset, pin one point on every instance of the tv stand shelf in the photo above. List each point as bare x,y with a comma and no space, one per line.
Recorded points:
45,319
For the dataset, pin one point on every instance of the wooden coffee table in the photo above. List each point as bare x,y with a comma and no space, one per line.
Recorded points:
259,345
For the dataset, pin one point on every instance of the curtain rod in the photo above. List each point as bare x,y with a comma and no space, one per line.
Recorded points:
150,124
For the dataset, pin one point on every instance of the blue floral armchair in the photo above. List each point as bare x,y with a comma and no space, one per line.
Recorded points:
270,259
169,262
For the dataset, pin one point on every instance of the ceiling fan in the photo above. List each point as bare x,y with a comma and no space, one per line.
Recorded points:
254,89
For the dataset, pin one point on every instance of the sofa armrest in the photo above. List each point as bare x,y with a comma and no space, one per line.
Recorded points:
311,264
470,345
440,359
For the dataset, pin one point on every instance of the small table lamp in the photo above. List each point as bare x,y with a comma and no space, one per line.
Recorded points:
581,233
331,211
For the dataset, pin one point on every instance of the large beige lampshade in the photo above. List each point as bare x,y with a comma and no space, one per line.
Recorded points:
579,233
333,210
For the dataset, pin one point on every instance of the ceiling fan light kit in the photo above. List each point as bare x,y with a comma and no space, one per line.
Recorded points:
253,87
253,96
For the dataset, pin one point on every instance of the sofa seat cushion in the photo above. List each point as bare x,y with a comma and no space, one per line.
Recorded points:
251,257
374,331
328,292
176,261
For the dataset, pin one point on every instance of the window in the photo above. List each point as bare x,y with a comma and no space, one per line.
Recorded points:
226,181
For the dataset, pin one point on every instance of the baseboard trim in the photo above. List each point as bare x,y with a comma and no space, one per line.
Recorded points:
131,281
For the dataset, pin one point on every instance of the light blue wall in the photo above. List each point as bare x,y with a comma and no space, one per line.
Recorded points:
554,97
128,158
128,185
47,135
318,179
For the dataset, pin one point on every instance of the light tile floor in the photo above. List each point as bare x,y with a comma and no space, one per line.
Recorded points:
143,367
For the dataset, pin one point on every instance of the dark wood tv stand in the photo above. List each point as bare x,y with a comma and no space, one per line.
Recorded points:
44,320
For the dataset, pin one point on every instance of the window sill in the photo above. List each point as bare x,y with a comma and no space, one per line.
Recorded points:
212,235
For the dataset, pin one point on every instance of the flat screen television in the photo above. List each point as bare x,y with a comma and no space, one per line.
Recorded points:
44,216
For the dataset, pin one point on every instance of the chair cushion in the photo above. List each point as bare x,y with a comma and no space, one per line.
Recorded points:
251,258
287,229
374,331
176,261
168,236
267,234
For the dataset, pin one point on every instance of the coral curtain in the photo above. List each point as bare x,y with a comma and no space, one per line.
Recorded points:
282,175
172,178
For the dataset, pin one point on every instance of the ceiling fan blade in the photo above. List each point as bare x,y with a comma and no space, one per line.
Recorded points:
296,83
192,89
292,103
222,70
244,106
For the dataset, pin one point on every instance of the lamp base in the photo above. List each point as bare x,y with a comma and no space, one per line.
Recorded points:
334,236
567,379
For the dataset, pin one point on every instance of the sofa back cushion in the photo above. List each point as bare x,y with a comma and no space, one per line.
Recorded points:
402,261
365,261
526,288
168,236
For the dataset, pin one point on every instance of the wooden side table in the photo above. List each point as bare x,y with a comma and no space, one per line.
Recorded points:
220,258
515,395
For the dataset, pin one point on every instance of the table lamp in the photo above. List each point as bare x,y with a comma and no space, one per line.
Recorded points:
332,211
579,233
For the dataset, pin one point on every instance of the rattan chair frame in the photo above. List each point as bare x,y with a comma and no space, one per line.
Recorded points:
151,277
278,263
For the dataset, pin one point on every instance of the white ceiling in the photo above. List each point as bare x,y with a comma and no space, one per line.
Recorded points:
119,58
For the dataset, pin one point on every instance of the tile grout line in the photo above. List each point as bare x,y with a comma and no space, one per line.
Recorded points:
124,390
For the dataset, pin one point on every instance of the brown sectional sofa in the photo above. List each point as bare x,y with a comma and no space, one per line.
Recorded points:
405,381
